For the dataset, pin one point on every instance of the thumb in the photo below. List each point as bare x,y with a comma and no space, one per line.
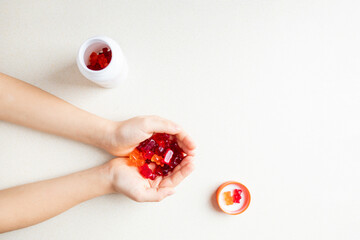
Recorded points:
161,125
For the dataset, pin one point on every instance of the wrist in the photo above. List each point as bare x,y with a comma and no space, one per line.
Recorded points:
115,170
106,134
110,141
104,179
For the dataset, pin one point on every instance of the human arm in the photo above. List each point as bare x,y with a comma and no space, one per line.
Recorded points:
24,104
33,203
27,105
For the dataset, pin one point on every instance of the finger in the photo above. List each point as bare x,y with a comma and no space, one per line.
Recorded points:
186,143
157,194
183,164
156,182
155,124
188,151
184,169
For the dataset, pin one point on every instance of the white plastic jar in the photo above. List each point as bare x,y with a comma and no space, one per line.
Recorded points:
114,73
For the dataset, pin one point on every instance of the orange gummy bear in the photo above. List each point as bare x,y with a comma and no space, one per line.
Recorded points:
228,198
157,159
136,158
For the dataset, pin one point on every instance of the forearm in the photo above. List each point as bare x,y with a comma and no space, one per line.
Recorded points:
26,105
29,204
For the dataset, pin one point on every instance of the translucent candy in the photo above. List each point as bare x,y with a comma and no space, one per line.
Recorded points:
146,172
161,149
157,159
176,160
99,60
148,154
168,155
237,195
136,158
148,144
228,198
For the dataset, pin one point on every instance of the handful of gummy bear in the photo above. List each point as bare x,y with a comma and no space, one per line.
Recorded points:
157,156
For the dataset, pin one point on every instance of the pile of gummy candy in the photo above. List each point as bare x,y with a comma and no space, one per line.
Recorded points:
161,152
99,61
235,198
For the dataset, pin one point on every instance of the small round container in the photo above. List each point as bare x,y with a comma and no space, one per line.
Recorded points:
113,74
235,208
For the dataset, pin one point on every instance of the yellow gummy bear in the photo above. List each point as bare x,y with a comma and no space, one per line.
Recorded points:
228,198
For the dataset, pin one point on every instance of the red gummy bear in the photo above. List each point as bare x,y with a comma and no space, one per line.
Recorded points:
147,172
148,154
237,195
101,60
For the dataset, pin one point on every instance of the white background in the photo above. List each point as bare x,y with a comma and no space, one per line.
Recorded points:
269,89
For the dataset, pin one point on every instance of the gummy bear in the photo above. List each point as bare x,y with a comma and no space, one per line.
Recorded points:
168,155
237,195
157,159
107,54
228,199
102,61
99,60
176,161
160,150
147,145
158,170
165,170
147,172
136,158
175,147
160,137
148,154
93,58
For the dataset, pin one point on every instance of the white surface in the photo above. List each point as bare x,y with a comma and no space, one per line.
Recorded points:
270,90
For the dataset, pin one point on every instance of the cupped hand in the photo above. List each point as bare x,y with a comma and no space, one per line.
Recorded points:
124,136
127,180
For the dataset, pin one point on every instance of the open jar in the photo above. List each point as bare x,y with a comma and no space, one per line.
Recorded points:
116,70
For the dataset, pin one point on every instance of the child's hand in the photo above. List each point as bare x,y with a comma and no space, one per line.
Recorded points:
124,136
127,180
